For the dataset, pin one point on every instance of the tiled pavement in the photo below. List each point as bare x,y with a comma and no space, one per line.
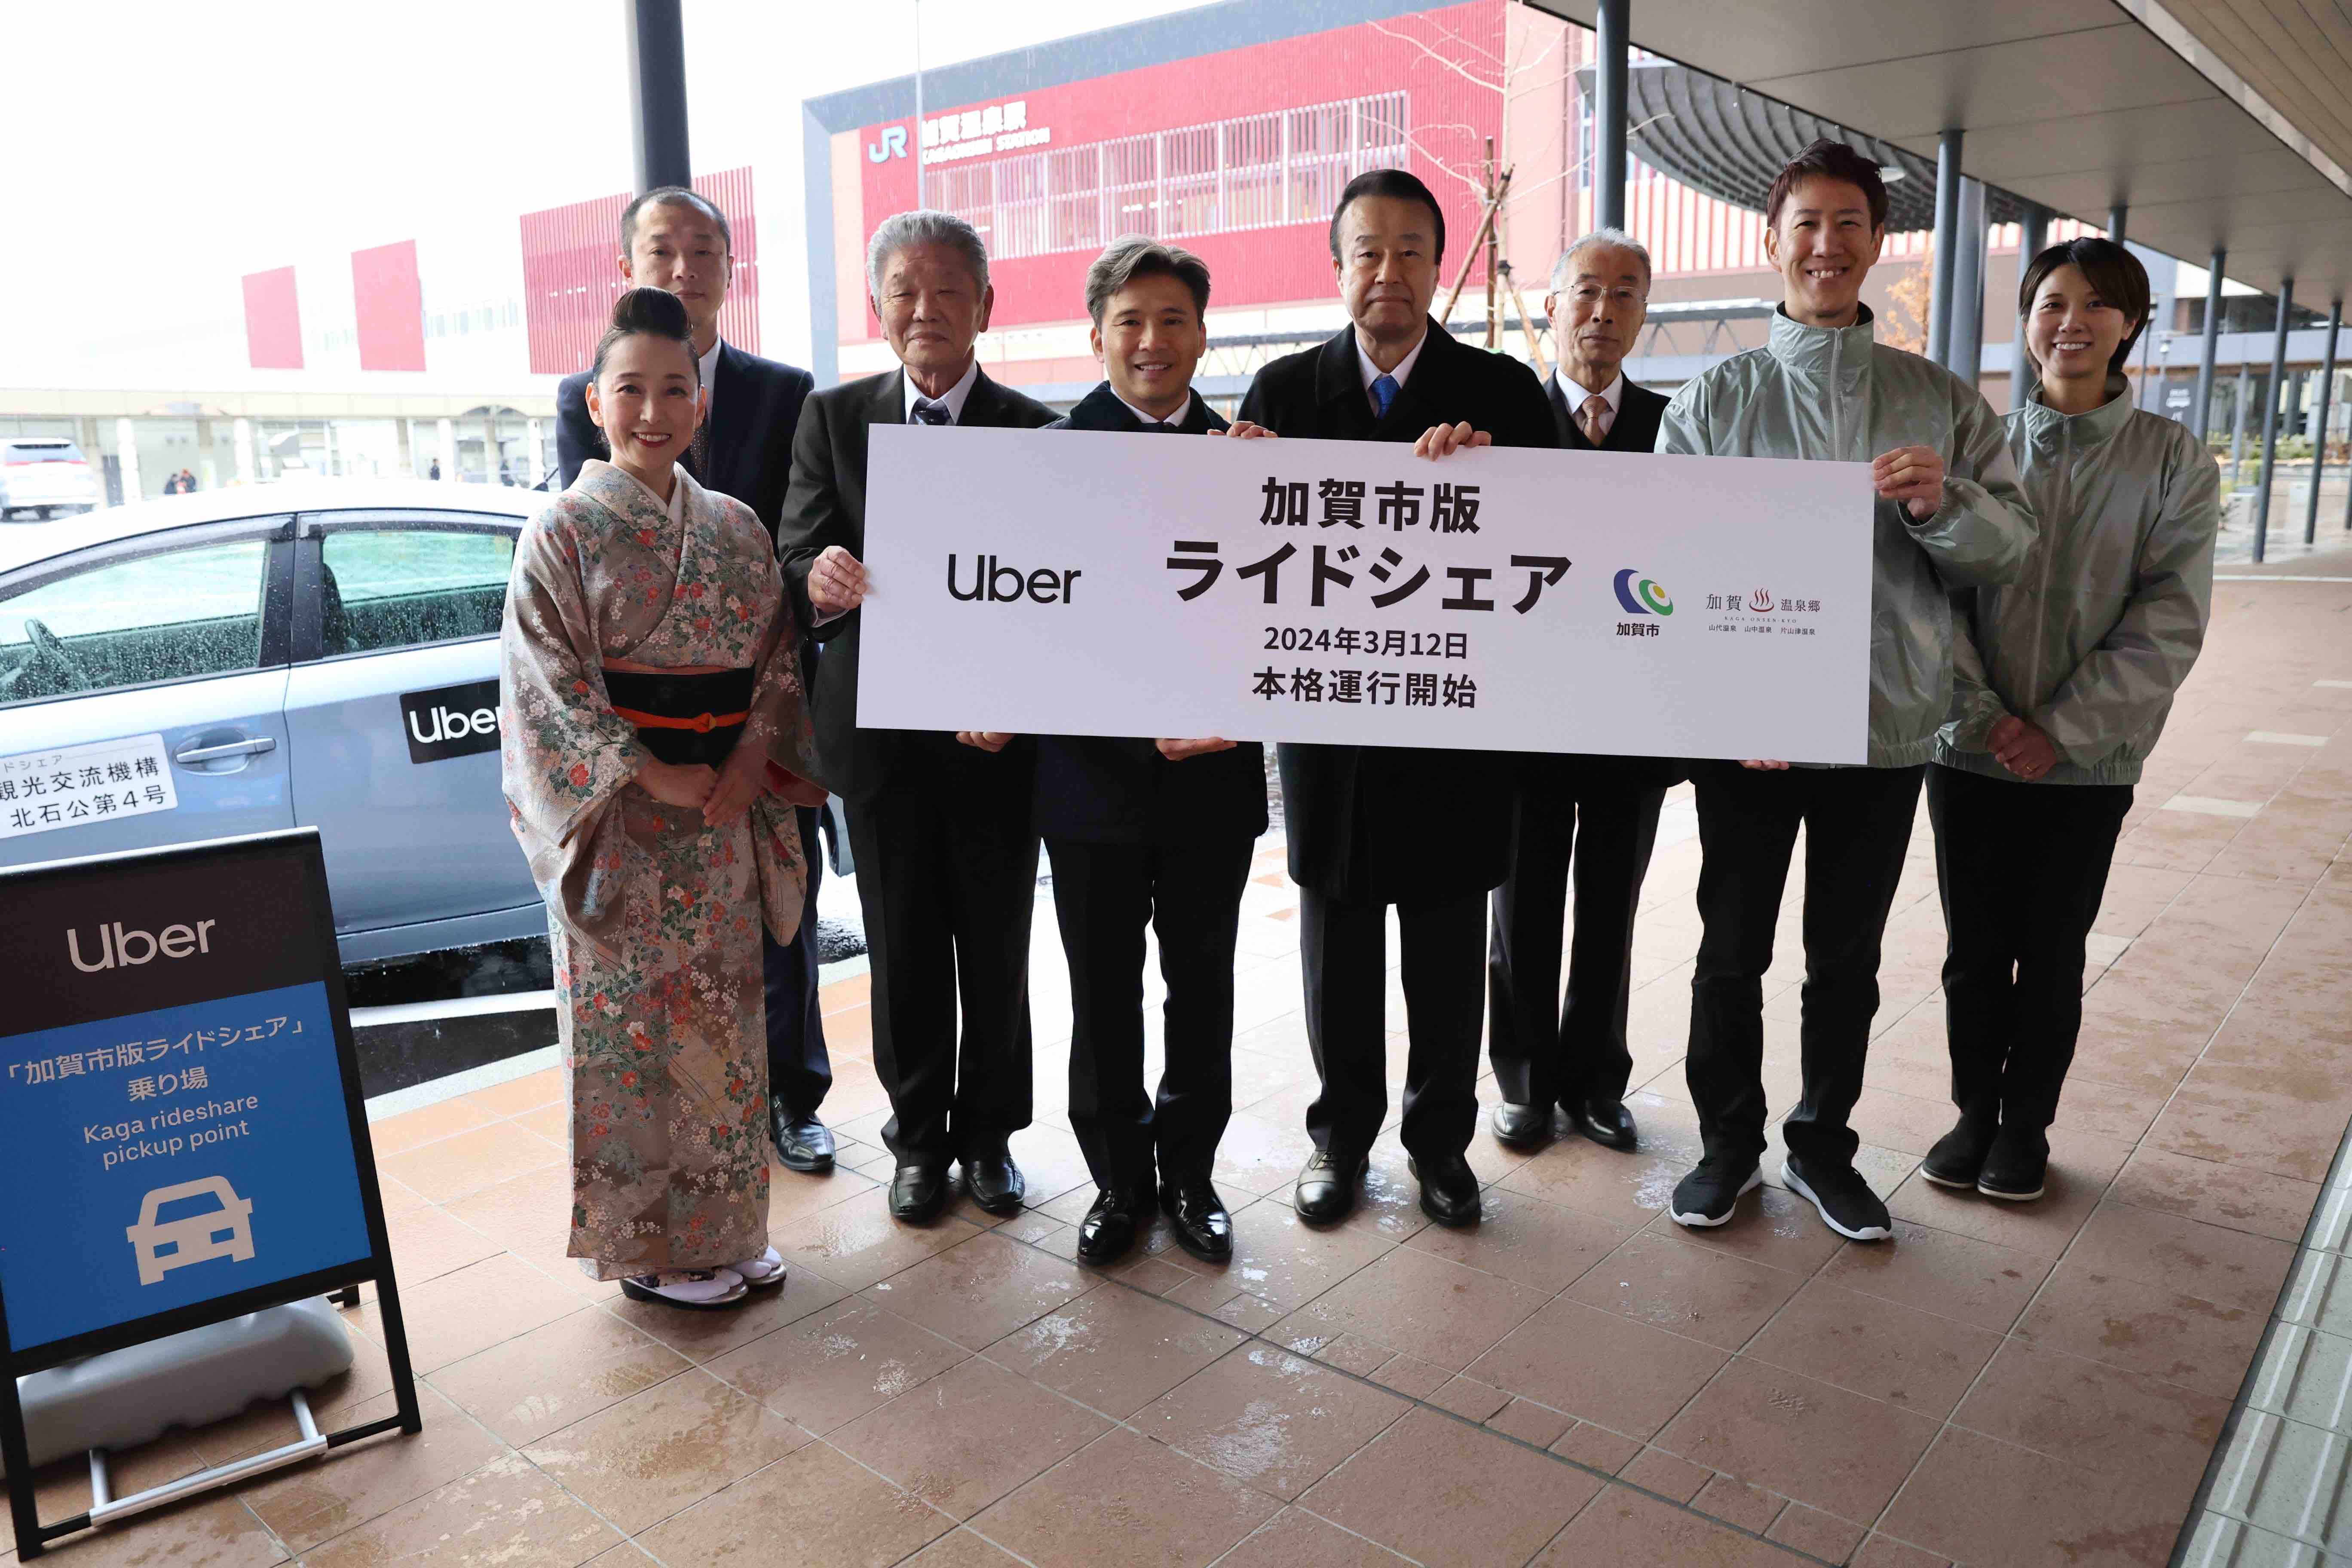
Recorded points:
1576,1381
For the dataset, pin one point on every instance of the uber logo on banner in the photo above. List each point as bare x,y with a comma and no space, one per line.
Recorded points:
450,721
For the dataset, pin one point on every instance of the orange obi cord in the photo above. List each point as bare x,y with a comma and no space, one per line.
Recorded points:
702,724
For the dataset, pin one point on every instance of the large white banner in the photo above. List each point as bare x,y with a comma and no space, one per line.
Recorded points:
1091,584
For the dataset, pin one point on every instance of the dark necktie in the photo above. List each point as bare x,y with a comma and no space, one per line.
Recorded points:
931,411
1384,391
697,454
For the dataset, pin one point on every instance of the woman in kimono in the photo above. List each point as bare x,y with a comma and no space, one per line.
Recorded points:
2060,686
653,743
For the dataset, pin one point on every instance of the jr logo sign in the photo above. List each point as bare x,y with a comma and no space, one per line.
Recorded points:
450,721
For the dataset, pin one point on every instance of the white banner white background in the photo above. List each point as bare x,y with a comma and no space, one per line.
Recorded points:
1112,647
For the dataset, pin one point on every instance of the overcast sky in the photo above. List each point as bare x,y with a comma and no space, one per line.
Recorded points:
160,151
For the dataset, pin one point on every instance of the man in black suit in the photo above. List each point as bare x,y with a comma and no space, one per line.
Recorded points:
940,824
1149,833
1426,830
1599,812
673,239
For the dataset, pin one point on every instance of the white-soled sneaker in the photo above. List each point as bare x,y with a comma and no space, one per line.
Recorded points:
697,1290
1708,1195
1842,1198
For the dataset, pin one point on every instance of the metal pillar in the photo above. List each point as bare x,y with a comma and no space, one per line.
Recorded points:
2032,233
1968,286
1948,223
2320,423
2245,392
2270,415
2202,413
1610,47
657,35
2116,214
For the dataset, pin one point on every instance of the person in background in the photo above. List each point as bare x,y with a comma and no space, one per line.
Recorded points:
1598,814
652,744
1153,833
1359,816
676,239
2064,681
941,825
1949,514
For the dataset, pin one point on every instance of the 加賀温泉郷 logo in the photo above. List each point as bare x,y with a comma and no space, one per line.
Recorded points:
1640,595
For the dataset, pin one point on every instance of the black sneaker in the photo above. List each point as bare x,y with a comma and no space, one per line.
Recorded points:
1846,1204
2017,1168
1959,1155
1708,1195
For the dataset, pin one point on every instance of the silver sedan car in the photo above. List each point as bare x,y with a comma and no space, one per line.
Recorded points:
320,654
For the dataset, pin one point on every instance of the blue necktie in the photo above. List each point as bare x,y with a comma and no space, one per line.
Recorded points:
1384,391
931,412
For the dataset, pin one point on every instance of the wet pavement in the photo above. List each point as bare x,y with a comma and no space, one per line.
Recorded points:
1577,1381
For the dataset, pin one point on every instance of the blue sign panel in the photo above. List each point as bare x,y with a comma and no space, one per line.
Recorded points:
180,1154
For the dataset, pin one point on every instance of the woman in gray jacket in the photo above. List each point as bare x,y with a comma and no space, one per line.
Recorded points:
2063,679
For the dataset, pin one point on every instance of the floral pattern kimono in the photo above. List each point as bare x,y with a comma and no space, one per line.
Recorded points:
654,918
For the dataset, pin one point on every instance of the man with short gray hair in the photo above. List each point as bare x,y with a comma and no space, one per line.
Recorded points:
940,824
1594,814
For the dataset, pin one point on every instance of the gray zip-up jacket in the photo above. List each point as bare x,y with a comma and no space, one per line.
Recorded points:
2092,640
1834,395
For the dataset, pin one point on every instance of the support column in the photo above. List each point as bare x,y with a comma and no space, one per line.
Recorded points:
2202,415
1611,44
448,433
2116,214
2033,234
1968,286
126,445
2320,423
1948,223
2271,416
657,36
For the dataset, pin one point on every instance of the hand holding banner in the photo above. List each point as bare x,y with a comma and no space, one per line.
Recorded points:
1351,592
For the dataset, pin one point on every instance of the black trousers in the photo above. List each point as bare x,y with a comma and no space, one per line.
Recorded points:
1544,1052
798,1072
1343,949
1857,824
1190,896
947,876
2022,868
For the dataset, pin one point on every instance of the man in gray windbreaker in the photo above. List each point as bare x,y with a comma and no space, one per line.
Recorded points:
1949,515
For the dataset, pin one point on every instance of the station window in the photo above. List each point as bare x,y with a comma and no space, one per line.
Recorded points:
1257,171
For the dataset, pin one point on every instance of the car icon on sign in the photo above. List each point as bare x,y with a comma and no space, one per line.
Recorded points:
162,1246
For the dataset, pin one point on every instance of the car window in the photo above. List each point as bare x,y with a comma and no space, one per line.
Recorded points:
399,587
172,615
41,452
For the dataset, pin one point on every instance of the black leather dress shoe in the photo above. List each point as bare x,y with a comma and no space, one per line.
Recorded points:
1522,1126
1108,1229
1449,1189
1197,1215
1326,1186
802,1142
917,1193
1606,1121
994,1181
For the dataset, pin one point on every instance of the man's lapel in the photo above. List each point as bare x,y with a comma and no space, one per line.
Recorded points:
1340,389
729,396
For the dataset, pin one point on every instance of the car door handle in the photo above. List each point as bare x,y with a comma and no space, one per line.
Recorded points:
227,749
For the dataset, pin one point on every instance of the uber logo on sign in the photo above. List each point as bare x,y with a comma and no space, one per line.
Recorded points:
451,721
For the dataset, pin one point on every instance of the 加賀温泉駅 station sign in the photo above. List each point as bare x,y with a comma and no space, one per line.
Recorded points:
1055,582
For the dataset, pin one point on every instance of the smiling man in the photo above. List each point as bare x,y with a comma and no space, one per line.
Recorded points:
1597,815
940,823
1949,515
1360,818
1145,833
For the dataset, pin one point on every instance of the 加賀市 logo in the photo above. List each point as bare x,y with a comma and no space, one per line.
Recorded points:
1641,597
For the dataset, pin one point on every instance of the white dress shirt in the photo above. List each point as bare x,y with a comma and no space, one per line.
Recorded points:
1576,396
954,398
1372,373
1174,419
